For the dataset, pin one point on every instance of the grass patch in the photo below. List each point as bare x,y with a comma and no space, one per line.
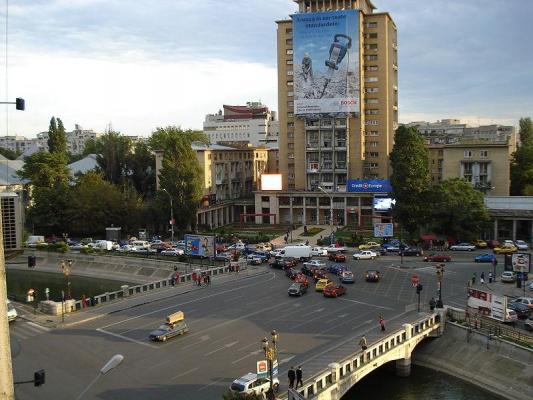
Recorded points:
312,231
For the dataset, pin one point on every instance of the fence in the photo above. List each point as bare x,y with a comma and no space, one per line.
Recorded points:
489,326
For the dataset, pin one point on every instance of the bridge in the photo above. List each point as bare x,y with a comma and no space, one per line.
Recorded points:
335,380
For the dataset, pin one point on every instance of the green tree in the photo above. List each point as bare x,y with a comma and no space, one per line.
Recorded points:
181,174
49,211
112,151
457,210
410,178
141,168
9,154
57,138
522,161
45,169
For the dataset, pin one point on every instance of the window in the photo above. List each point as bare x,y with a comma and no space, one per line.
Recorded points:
483,173
371,122
372,111
290,73
373,154
265,198
371,79
371,101
371,46
289,62
373,144
290,103
371,68
372,35
467,153
289,52
290,83
371,24
290,94
484,153
372,57
372,133
288,31
373,165
288,42
290,115
467,171
290,124
371,90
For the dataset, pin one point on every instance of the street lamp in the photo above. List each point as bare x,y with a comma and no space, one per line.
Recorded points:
440,277
271,355
171,216
66,266
330,213
111,364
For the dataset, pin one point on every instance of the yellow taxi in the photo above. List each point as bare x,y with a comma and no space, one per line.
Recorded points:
480,244
321,284
369,245
504,249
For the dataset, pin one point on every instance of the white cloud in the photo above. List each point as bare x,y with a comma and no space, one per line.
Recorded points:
136,96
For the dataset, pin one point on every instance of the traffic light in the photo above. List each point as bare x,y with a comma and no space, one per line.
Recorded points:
419,288
32,261
20,104
39,378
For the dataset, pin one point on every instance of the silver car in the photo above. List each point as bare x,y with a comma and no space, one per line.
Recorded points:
463,247
508,276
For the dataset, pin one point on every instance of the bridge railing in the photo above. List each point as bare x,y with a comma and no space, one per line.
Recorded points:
360,358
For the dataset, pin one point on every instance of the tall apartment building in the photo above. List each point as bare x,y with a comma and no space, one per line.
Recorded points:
253,123
76,139
327,149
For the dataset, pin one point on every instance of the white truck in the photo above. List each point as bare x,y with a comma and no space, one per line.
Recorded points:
34,240
102,245
300,252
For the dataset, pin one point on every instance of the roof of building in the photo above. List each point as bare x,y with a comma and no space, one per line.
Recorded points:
84,165
8,172
31,149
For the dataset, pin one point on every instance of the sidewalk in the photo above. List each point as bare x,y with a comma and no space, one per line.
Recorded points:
27,312
297,238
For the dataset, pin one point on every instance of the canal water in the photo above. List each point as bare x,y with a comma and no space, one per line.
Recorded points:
423,384
18,283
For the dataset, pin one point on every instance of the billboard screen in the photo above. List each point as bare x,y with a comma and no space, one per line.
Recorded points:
383,230
200,245
383,204
520,262
369,186
271,182
326,62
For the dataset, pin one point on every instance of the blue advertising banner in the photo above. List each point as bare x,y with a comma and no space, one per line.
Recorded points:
199,245
326,62
383,230
369,186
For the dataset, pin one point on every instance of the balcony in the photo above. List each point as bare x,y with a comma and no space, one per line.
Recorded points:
340,165
340,143
312,145
340,123
327,165
326,144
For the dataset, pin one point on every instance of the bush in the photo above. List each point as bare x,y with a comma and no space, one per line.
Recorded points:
86,250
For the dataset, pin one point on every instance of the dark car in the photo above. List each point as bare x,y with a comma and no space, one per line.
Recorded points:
223,257
278,264
438,258
372,276
297,289
306,270
411,251
320,274
291,261
522,310
336,269
167,331
333,290
337,257
291,273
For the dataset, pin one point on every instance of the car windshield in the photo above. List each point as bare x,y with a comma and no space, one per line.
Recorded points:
238,387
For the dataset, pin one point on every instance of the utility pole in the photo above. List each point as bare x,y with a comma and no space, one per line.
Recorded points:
6,371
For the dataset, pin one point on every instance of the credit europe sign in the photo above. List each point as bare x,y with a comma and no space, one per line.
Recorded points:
369,186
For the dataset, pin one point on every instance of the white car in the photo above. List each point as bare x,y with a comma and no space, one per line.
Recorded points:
172,252
11,312
254,260
315,264
275,253
521,245
508,276
237,246
251,384
334,249
463,247
319,251
364,255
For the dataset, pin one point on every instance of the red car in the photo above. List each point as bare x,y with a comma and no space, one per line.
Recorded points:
333,290
337,257
438,258
301,278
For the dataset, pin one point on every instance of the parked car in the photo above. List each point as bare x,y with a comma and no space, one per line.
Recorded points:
337,257
333,290
411,251
438,258
480,244
253,259
347,277
530,286
521,310
394,247
172,252
505,249
278,264
321,284
521,245
223,256
492,244
297,289
463,247
372,276
485,258
264,247
315,264
508,276
306,270
369,245
319,251
332,248
528,301
336,269
528,324
507,242
251,384
364,255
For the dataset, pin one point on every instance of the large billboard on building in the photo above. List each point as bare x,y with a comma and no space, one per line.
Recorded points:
199,245
369,186
383,230
326,62
487,303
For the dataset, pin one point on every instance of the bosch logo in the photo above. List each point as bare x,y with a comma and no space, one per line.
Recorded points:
348,102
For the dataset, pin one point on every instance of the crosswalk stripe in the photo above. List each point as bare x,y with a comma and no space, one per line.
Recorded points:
39,327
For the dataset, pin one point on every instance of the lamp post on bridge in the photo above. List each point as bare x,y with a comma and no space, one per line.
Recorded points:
271,355
440,278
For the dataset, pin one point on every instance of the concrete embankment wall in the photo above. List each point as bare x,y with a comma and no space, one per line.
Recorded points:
501,367
128,269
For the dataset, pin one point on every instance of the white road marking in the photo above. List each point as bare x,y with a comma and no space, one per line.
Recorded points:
226,346
364,323
212,383
159,365
320,309
342,315
202,339
367,304
253,353
285,360
184,373
126,338
39,327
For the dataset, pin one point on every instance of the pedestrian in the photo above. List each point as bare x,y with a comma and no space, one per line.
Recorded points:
364,346
432,304
84,302
299,375
474,276
482,278
208,277
205,279
490,277
292,376
382,323
199,280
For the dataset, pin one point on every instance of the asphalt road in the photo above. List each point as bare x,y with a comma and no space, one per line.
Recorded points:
227,322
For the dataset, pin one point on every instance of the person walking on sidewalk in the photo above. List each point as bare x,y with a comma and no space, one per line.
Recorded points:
382,323
299,375
432,304
292,376
490,277
474,276
482,278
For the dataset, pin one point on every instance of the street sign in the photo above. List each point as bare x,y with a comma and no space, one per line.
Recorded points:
262,369
270,353
414,280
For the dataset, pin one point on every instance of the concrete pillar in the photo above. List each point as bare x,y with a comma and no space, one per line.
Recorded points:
304,216
495,229
514,230
335,371
407,328
403,367
345,211
530,232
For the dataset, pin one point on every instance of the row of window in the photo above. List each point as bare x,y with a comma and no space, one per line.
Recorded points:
372,154
470,153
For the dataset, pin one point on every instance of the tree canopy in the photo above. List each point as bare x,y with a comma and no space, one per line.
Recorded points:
522,161
57,138
45,169
9,154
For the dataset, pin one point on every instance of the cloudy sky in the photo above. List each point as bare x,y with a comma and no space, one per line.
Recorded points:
142,64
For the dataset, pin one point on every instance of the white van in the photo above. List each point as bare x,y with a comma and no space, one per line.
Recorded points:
299,252
33,241
103,245
140,244
11,312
